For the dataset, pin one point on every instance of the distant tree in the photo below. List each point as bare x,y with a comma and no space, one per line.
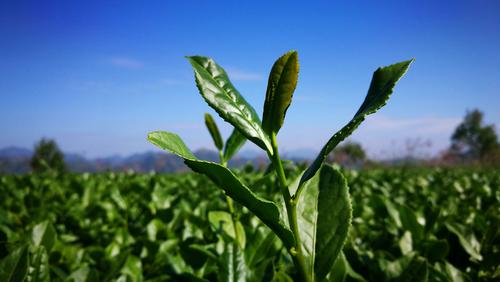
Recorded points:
47,157
472,140
349,154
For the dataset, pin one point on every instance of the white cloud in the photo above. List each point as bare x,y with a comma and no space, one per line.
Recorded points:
128,63
389,137
241,75
419,125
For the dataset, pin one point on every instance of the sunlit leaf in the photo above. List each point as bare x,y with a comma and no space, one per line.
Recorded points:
220,94
44,234
383,81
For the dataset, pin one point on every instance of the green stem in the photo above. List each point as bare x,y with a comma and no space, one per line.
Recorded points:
296,196
230,206
291,209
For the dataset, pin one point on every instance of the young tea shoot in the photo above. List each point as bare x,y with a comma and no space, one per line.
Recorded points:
315,220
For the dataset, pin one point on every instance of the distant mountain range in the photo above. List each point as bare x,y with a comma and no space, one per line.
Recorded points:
17,160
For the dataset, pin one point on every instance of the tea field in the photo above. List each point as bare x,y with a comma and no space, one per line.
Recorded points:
408,225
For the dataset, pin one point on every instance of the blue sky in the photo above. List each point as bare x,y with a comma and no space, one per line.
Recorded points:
98,75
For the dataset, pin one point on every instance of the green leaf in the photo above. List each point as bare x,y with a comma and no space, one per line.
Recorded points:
339,270
454,274
14,267
161,198
392,210
410,223
383,81
232,265
406,243
324,216
44,234
262,247
265,210
467,239
83,274
39,266
280,88
223,221
334,219
220,94
133,269
435,249
281,276
394,269
117,198
153,228
342,269
417,270
233,144
214,131
170,142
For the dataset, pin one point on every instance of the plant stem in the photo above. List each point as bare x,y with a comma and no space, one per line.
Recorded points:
291,209
230,206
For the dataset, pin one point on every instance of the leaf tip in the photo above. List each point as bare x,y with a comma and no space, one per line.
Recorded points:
150,135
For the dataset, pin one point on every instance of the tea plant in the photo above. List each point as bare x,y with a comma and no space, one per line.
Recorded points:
218,218
316,217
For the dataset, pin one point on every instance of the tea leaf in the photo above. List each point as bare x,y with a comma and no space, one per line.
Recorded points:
44,234
233,144
467,240
334,219
223,221
417,270
83,274
324,216
280,88
14,267
410,223
265,210
383,81
170,142
341,269
39,270
232,265
214,131
220,94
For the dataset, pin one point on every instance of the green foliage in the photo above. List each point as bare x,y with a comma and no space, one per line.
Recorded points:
14,267
47,157
39,270
325,228
326,233
265,210
171,235
472,140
